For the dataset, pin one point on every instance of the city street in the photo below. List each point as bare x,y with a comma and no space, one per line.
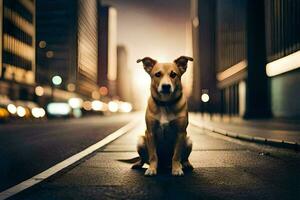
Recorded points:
225,168
80,79
27,149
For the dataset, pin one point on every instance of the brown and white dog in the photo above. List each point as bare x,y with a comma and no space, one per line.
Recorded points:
165,143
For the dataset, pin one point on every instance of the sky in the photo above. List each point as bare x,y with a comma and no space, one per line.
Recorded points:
159,29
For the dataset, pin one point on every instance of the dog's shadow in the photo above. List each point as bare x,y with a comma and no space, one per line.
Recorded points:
162,171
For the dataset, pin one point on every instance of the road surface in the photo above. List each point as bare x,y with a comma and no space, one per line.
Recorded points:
224,169
29,148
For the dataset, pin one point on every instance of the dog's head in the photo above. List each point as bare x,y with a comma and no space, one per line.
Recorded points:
165,77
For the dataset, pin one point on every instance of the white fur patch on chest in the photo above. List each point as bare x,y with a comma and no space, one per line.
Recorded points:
164,117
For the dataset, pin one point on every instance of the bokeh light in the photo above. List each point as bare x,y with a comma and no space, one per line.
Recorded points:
204,97
56,80
21,112
113,106
39,91
12,108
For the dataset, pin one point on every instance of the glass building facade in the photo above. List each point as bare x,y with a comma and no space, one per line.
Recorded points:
250,64
17,63
67,43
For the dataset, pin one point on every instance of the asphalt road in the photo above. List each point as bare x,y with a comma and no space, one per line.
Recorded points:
225,168
29,148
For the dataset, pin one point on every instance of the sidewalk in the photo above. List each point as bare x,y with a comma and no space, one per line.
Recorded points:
275,132
223,170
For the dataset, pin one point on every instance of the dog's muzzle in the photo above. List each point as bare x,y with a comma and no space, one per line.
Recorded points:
166,89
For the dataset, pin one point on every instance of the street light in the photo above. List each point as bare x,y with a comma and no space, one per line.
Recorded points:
39,91
204,97
205,100
42,44
71,87
56,80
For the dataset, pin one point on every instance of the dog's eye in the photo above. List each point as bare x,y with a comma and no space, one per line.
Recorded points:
173,74
158,74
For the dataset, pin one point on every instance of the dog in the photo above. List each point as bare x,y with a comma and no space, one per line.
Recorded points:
165,143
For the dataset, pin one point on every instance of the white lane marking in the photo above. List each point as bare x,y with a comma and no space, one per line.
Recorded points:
67,162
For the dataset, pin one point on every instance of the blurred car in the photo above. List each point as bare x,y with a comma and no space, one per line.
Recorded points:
29,109
24,108
4,114
59,109
19,109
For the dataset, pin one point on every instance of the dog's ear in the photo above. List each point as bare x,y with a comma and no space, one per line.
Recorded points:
181,63
148,63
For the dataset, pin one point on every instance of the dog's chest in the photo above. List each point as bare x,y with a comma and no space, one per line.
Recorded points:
165,116
165,134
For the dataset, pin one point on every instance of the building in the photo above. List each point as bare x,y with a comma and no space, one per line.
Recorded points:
67,44
204,81
107,63
248,57
248,61
17,49
124,75
283,56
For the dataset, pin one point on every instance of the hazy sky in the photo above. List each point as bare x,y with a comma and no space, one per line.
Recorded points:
155,28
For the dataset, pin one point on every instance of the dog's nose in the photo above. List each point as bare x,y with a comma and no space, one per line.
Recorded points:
166,88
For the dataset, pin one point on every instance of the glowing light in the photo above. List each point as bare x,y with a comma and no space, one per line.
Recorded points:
42,112
140,93
87,105
113,106
3,113
42,44
21,111
18,21
56,80
232,70
38,112
39,91
21,49
125,107
71,87
35,112
12,109
75,102
103,91
204,97
77,113
58,109
95,95
49,54
97,105
284,64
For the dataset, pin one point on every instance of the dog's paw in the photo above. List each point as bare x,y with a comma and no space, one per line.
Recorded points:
177,172
150,172
187,166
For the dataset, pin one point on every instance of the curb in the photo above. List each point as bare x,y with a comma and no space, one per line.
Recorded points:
260,140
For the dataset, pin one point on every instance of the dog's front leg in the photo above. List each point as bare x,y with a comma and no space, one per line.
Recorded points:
176,160
152,170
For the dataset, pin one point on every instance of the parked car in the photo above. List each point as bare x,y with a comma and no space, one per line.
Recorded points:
4,114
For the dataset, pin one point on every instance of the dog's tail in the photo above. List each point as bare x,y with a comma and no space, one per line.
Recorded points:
130,160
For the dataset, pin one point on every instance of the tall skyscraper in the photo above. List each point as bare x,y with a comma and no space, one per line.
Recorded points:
247,57
17,48
67,44
107,63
